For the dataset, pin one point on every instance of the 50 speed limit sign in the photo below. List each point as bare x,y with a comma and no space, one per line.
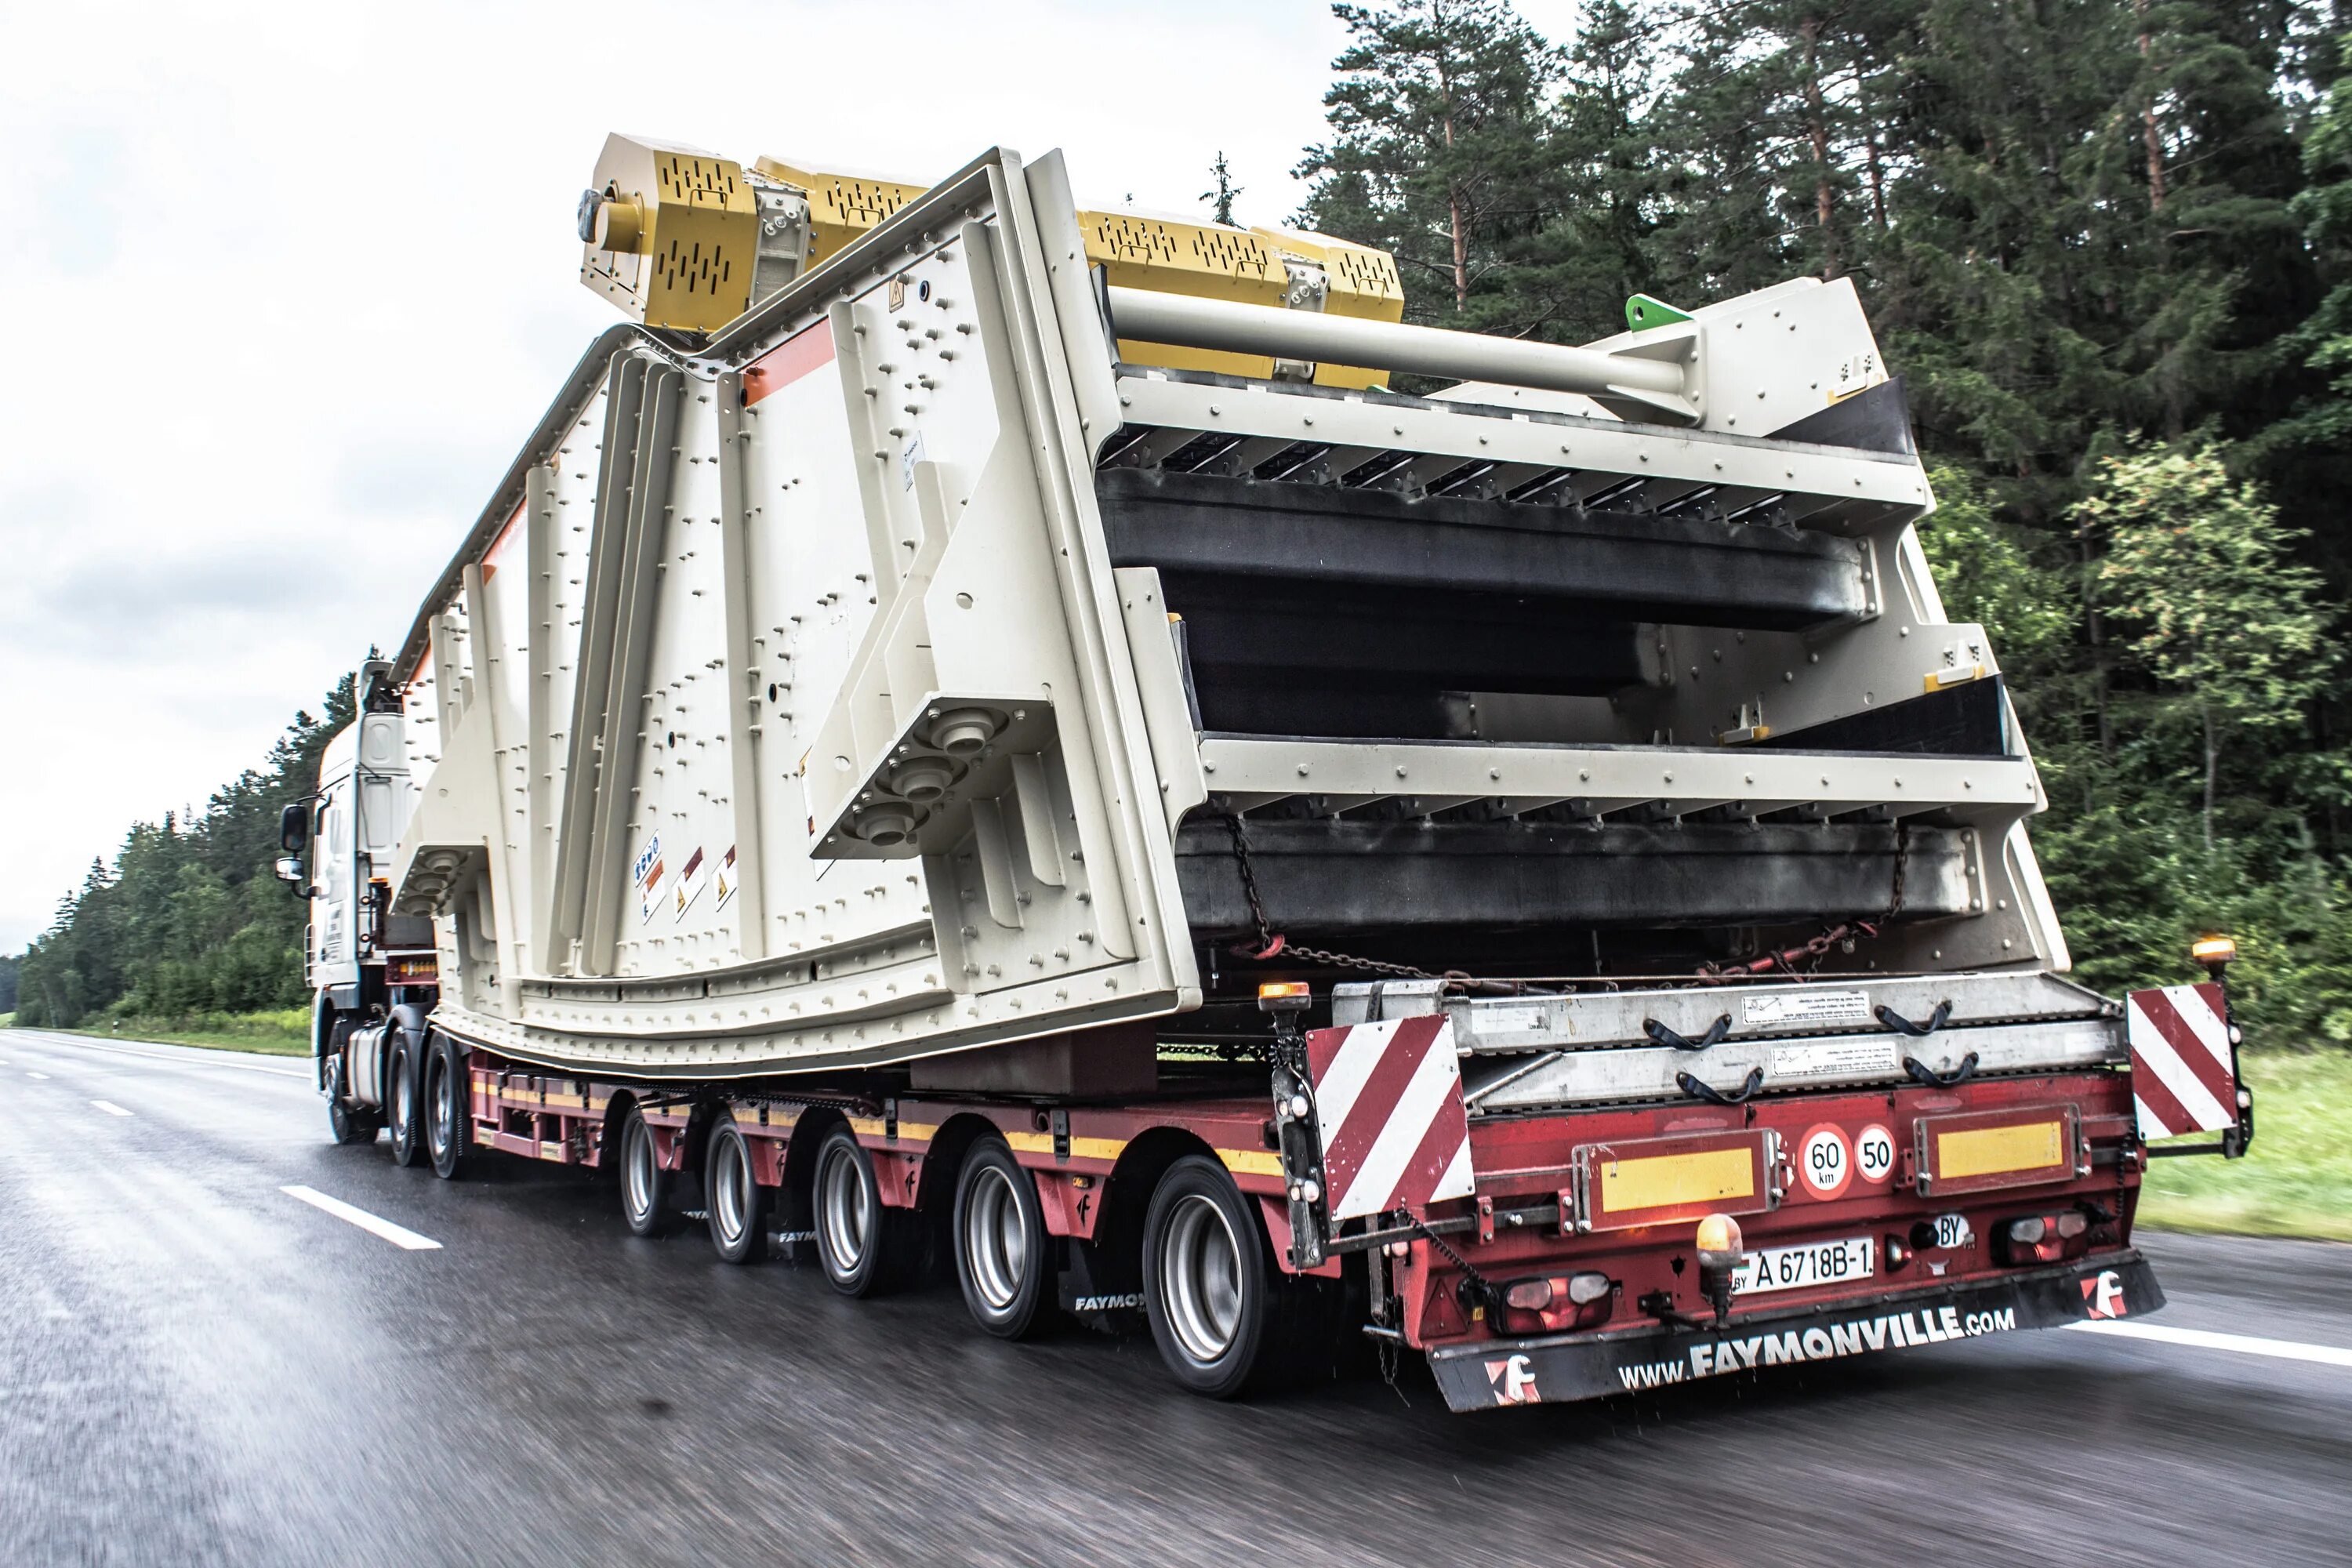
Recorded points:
1825,1161
1874,1153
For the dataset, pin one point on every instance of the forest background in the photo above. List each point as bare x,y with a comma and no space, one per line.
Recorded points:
2107,244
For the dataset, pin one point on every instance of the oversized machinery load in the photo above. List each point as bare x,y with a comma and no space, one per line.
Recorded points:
983,730
946,617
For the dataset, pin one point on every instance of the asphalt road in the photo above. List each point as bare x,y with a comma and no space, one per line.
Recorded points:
196,1367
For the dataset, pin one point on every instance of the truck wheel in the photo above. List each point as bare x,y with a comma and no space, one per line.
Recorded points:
1001,1248
738,1204
856,1236
446,1112
1208,1279
405,1119
349,1124
645,1186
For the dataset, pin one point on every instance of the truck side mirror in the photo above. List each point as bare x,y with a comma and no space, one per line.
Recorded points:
289,869
293,830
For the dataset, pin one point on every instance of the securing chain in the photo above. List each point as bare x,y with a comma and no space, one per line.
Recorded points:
1271,944
1842,935
1479,1286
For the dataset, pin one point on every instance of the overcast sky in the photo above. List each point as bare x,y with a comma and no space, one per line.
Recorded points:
290,283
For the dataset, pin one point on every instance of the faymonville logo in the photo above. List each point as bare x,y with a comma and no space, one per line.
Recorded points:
1892,1330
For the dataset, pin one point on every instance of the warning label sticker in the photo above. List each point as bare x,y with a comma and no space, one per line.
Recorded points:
1833,1059
1779,1009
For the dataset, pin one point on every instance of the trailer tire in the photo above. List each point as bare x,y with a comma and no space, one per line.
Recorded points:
1210,1288
738,1204
1001,1251
448,1115
859,1243
645,1186
402,1112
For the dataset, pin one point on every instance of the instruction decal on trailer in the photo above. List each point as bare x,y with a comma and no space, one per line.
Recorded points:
647,875
725,876
691,881
1834,1059
1777,1009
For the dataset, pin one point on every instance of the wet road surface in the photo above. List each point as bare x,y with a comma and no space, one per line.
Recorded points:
198,1367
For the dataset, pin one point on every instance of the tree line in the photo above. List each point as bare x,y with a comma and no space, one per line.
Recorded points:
187,919
2108,246
2106,242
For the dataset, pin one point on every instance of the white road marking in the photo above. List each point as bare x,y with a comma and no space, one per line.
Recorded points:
110,1108
2205,1339
399,1235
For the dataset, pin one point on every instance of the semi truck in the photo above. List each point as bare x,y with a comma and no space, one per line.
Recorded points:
981,733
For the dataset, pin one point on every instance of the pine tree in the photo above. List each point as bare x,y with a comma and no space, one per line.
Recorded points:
1220,195
1439,149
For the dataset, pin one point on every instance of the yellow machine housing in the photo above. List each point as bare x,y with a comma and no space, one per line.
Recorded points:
670,235
840,206
678,239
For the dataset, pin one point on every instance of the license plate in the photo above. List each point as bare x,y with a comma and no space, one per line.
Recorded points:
1816,1263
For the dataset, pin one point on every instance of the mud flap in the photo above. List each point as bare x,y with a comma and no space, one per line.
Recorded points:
1558,1368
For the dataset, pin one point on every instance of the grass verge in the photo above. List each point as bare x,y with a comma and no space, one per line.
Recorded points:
285,1033
2297,1178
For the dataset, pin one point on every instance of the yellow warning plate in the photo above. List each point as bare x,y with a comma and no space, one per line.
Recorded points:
1662,1181
1997,1150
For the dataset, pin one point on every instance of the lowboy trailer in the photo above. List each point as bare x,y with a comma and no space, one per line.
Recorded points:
983,730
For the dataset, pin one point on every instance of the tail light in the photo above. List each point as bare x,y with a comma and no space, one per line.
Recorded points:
1558,1301
2047,1237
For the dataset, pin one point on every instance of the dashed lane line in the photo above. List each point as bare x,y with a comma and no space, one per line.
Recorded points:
2205,1339
110,1108
374,1225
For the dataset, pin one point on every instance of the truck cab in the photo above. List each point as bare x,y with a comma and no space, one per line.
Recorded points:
338,844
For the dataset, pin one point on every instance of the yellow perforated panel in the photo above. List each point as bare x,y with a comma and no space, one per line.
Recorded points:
841,206
1175,257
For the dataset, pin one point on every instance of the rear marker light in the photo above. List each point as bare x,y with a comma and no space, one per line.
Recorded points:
1586,1288
1284,996
2026,1232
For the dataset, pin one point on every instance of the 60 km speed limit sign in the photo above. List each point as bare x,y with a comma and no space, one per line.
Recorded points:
1825,1162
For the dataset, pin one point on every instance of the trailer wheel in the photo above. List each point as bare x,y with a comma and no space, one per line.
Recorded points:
856,1236
405,1119
1001,1248
1209,1284
645,1186
446,1112
738,1204
349,1124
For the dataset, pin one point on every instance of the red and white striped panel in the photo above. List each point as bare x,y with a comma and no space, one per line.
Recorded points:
2181,1079
1388,1106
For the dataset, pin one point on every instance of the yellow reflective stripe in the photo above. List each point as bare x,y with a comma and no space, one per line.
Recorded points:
1250,1162
909,1131
1080,1148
